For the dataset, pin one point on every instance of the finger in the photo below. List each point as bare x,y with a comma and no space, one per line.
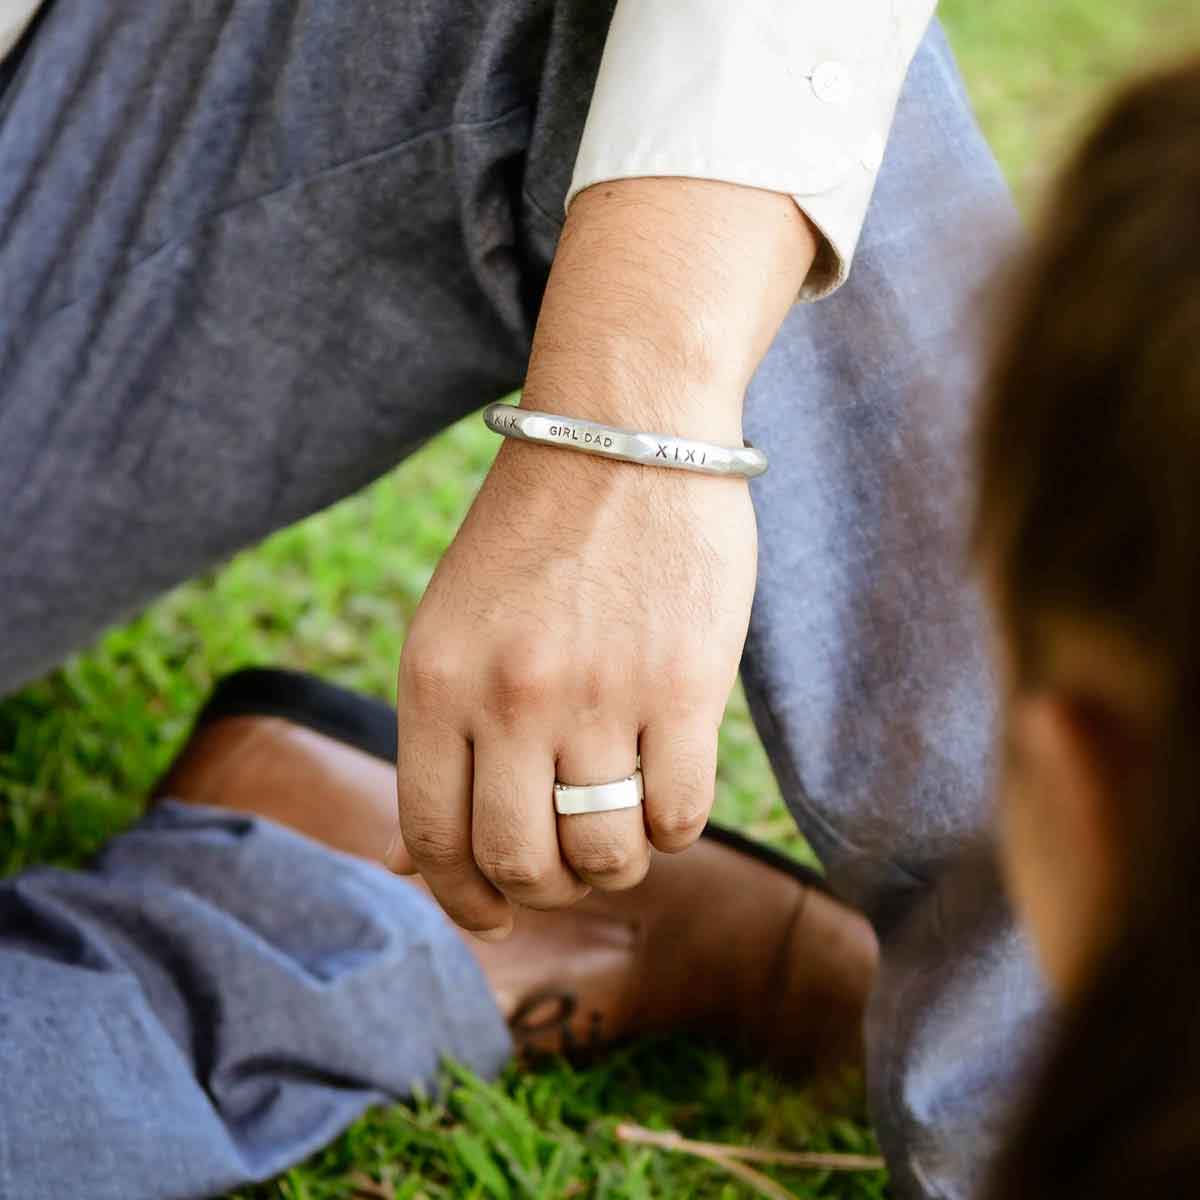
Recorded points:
513,831
608,850
679,766
433,784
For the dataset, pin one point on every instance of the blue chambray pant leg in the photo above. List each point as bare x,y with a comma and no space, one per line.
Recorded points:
253,252
216,998
866,667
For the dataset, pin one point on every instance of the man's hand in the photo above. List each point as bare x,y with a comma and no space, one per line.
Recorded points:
590,610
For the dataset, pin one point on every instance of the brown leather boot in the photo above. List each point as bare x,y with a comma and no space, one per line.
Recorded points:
727,938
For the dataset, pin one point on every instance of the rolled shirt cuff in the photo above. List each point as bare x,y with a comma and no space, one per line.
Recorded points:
765,94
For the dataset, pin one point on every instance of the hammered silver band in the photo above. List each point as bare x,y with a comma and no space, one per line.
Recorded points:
649,449
570,801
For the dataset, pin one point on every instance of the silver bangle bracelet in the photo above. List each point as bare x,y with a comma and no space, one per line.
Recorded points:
649,449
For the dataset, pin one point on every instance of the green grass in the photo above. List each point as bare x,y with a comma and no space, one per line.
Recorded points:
79,749
550,1133
1035,67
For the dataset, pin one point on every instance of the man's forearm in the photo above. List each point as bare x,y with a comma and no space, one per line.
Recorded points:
551,644
664,296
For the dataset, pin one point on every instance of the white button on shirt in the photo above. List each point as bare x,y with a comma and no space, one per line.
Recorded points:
794,96
831,82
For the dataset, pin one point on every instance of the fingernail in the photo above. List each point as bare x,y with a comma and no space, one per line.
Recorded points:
389,857
492,935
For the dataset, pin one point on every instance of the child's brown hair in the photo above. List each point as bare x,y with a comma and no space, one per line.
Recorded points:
1089,513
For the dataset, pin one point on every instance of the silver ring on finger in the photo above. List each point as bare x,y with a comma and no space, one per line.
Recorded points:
571,800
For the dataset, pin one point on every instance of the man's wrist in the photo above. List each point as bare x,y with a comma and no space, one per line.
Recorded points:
664,295
623,397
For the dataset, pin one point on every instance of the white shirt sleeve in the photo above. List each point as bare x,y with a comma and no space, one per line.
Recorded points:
793,96
15,16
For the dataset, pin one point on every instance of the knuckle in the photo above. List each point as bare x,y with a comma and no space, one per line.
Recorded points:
426,676
680,820
475,918
608,862
435,846
605,856
525,675
513,873
697,691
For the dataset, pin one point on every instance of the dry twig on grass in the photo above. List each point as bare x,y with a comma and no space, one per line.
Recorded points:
366,1188
734,1158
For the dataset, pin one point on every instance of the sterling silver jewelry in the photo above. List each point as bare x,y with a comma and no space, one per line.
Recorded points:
650,449
570,801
